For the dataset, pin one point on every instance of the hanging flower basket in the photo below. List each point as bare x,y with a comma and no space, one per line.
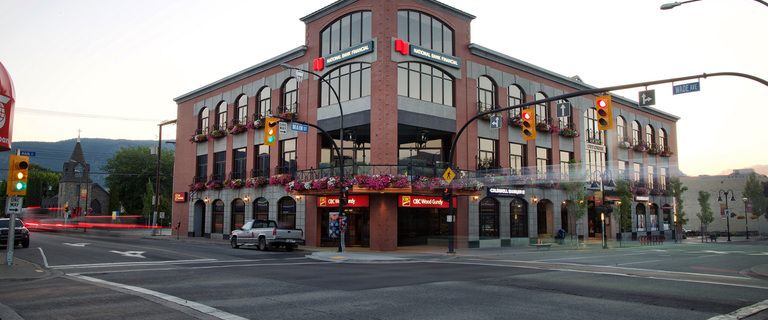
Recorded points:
218,133
280,179
214,185
666,153
641,147
625,144
516,121
289,115
641,191
256,124
544,127
234,183
197,138
654,150
237,128
657,192
197,186
569,133
256,182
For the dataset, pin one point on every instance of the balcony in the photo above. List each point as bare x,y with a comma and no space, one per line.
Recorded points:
219,131
238,126
289,111
200,135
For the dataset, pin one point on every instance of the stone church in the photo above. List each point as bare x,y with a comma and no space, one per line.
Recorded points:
77,190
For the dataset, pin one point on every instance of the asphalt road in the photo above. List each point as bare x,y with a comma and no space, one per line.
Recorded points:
130,278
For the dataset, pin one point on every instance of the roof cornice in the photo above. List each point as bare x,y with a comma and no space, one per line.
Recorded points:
271,63
501,58
343,3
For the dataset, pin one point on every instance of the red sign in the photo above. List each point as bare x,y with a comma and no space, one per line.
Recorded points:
355,201
318,64
6,109
179,197
401,46
423,202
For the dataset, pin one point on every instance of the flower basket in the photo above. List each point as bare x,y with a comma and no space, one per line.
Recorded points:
234,183
569,133
218,133
289,115
544,127
666,153
237,128
256,124
256,182
641,147
280,179
641,191
625,145
657,192
197,186
214,185
197,138
516,121
653,150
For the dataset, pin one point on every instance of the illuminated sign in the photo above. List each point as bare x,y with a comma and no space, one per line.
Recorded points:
355,201
179,197
595,147
505,192
350,53
423,202
435,56
642,198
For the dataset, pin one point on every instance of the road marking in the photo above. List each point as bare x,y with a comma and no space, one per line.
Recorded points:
211,311
45,260
743,312
593,257
132,254
196,268
636,262
759,254
713,251
80,244
127,264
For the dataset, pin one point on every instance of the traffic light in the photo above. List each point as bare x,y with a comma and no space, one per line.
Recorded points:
270,131
344,199
604,112
528,118
447,194
18,173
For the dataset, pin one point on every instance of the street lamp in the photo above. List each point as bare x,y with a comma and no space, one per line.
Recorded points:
341,140
728,212
602,208
671,5
157,171
746,218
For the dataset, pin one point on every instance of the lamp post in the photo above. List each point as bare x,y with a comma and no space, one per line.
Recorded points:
746,217
602,208
157,171
341,140
671,5
728,212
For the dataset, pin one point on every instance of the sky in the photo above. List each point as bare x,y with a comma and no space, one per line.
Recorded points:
112,68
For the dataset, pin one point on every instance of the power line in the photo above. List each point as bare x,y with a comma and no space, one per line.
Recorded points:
84,115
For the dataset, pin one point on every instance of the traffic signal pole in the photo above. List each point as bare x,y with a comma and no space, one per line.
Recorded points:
451,151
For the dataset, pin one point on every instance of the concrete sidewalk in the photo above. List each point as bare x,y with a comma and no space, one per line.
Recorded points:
21,270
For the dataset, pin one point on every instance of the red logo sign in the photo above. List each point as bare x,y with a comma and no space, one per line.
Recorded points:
355,201
401,46
6,109
318,64
423,202
179,197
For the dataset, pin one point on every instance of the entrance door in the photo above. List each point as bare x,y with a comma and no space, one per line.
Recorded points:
199,227
420,226
358,232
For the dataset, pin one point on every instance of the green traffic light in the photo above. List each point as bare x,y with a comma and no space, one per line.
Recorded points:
271,139
20,186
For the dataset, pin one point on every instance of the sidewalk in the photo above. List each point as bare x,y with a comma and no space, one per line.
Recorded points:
21,270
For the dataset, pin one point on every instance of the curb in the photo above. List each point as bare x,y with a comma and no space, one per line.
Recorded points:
355,258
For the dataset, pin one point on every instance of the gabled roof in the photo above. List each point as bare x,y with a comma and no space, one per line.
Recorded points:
343,3
77,154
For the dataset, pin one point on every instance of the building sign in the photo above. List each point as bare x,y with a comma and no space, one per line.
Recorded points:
441,58
595,147
504,192
6,109
423,202
642,198
356,51
179,197
355,201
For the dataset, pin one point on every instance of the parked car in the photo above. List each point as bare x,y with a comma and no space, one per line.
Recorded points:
265,234
21,235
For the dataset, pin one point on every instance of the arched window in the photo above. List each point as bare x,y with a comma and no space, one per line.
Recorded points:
650,136
286,213
345,32
350,81
640,214
542,109
261,209
636,138
202,121
241,113
238,214
663,142
518,218
486,94
595,159
516,97
221,116
424,82
489,219
425,31
217,219
290,93
263,103
621,128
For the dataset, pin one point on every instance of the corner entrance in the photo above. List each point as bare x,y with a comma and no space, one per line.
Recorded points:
422,220
358,220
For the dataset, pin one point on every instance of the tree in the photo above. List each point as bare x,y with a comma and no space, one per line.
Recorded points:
576,194
753,190
625,208
705,215
677,189
128,172
40,179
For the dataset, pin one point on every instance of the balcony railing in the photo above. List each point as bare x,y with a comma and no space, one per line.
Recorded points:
237,175
594,136
260,173
289,111
484,107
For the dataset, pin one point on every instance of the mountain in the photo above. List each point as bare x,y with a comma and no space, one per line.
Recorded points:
52,155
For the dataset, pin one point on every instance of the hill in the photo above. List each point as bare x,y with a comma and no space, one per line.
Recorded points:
52,155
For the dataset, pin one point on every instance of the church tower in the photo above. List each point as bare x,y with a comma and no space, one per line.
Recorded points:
75,184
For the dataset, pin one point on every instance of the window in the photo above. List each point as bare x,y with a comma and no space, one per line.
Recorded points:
420,156
662,179
650,138
595,159
350,81
623,167
219,162
238,162
594,135
517,158
354,152
201,169
542,109
543,161
425,31
518,218
347,31
202,121
636,133
489,219
621,129
241,113
516,97
288,156
486,155
486,94
290,91
263,103
238,214
286,213
565,162
261,164
640,212
424,82
636,171
221,116
217,219
650,177
261,209
663,142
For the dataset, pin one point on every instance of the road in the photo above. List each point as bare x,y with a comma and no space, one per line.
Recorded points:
98,277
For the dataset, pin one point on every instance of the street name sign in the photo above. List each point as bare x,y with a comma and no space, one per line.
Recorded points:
299,127
687,87
563,109
27,153
646,98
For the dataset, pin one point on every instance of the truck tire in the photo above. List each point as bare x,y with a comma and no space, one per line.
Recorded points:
289,247
263,244
234,244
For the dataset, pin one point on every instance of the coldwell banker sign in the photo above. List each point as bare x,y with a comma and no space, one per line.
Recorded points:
505,192
6,109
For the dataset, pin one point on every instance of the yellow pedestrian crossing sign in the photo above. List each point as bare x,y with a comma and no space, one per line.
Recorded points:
448,175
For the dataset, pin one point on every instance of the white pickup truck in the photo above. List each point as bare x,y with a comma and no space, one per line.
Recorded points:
265,235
